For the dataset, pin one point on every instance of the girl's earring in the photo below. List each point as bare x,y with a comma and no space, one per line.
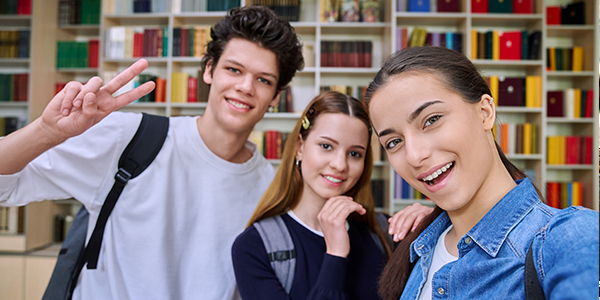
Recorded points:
298,164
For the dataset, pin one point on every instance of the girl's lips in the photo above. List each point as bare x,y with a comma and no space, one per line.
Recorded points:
440,182
331,180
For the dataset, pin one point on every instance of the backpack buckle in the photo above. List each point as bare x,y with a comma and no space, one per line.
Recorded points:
122,176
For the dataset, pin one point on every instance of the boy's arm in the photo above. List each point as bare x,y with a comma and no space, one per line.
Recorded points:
71,112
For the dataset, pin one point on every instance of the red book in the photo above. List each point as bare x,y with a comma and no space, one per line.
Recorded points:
555,106
522,6
59,86
448,6
510,91
345,55
480,6
146,42
192,86
138,41
552,194
338,60
589,102
573,149
24,7
586,150
510,44
93,53
368,54
185,45
324,53
161,90
553,15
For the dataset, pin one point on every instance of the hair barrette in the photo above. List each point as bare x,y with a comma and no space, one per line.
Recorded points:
305,123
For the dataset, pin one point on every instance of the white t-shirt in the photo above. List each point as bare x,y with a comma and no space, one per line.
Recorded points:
171,232
441,256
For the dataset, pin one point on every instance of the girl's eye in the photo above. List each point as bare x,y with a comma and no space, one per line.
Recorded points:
325,146
355,154
432,120
393,143
265,81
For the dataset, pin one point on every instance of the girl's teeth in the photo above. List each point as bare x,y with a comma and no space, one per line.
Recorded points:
437,173
332,179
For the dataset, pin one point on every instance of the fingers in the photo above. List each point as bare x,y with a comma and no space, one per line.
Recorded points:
89,107
69,92
134,94
124,77
69,102
407,220
337,209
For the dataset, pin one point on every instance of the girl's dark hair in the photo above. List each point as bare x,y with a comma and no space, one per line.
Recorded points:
260,25
459,75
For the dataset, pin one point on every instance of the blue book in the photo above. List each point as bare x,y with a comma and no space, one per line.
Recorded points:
449,40
418,6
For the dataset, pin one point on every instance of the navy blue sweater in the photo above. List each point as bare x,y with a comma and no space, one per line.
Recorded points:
318,275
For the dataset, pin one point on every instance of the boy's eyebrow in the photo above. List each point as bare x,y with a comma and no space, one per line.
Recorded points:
411,118
262,73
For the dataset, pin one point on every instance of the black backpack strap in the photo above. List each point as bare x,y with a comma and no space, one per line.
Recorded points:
139,153
533,288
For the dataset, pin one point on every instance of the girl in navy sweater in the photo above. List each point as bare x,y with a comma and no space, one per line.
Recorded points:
322,193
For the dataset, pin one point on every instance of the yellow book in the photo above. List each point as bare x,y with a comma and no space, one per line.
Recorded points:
530,86
577,59
562,142
179,87
540,89
494,88
257,137
564,191
473,44
527,138
576,194
577,104
534,139
552,58
495,45
552,153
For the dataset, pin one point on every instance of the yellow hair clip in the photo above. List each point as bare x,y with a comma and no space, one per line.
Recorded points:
305,123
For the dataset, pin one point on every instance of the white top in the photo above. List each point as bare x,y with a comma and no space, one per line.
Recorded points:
171,232
441,256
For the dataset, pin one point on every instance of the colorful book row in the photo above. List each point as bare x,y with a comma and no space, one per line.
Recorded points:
10,124
516,138
269,142
288,10
286,102
418,36
564,194
203,5
11,220
15,7
569,150
14,43
570,13
570,103
564,59
121,7
477,6
501,45
355,91
346,54
188,89
403,190
79,12
157,95
128,42
74,54
516,91
14,87
190,41
350,10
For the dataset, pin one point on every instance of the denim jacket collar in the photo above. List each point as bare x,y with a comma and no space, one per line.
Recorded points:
491,231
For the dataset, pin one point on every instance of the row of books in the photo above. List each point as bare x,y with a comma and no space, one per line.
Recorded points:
14,43
403,190
10,124
419,36
564,59
350,10
14,87
516,91
79,12
12,220
121,7
350,54
269,142
356,91
286,102
517,138
288,10
203,5
497,44
570,103
564,194
128,42
190,41
15,7
566,14
188,89
477,6
74,54
569,150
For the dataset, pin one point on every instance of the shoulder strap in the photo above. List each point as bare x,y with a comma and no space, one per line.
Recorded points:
280,249
139,153
533,289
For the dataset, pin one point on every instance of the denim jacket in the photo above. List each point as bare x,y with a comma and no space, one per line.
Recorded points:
492,254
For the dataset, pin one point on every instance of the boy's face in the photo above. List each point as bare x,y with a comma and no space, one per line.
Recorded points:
243,84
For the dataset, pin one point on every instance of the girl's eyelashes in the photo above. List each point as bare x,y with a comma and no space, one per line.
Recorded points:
429,121
325,146
355,154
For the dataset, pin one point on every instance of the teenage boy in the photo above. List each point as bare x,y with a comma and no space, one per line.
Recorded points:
170,235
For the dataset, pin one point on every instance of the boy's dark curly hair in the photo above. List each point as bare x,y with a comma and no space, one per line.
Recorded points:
260,25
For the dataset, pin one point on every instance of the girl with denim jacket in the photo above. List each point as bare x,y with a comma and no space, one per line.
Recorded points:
434,115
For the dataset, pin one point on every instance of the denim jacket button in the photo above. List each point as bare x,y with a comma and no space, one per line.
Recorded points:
441,291
468,240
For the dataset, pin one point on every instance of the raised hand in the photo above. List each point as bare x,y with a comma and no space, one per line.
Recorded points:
407,220
79,106
332,219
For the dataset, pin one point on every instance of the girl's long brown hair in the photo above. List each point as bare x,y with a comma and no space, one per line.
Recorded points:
459,75
286,189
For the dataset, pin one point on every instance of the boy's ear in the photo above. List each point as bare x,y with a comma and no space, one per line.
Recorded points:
207,75
488,111
299,147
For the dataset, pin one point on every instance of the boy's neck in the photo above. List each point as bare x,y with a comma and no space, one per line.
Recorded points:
230,146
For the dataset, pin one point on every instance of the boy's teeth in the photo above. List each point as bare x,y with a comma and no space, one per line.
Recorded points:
437,173
238,105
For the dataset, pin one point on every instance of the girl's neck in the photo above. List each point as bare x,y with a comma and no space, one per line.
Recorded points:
308,209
